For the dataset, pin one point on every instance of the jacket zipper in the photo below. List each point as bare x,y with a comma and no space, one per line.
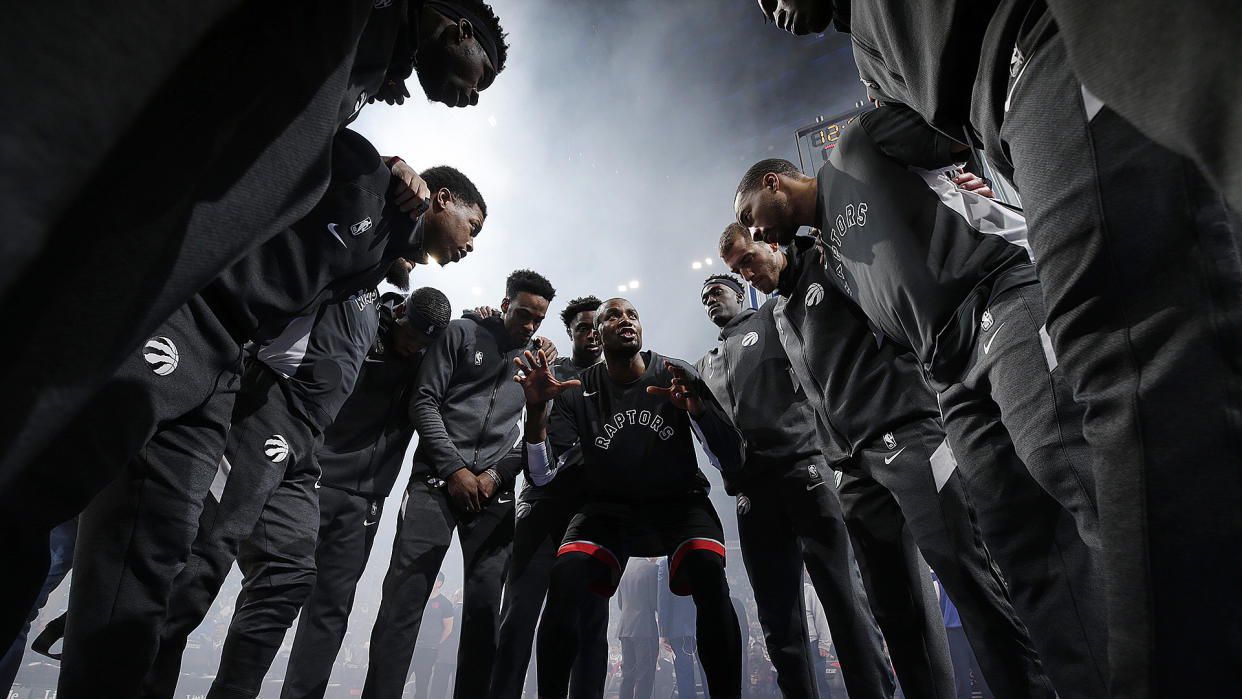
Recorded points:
488,417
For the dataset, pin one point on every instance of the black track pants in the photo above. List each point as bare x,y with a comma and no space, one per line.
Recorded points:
347,524
180,377
917,467
898,585
793,516
1017,435
137,533
424,531
277,562
1139,264
266,445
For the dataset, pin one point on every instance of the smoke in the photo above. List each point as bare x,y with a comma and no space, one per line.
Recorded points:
608,152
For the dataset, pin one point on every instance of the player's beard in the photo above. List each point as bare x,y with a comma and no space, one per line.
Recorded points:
398,275
786,229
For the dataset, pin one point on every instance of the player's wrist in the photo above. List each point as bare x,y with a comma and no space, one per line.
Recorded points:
494,476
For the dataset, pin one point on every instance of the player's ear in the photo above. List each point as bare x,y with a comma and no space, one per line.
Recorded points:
504,306
441,199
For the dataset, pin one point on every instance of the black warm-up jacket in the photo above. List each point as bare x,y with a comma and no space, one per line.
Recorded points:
750,375
466,406
941,57
364,447
860,384
919,256
344,244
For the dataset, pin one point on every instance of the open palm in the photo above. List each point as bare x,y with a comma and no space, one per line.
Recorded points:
538,383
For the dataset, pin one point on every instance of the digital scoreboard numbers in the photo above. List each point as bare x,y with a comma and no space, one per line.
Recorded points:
816,140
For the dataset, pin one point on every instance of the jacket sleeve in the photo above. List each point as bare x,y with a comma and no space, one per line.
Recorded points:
434,375
715,430
901,134
508,467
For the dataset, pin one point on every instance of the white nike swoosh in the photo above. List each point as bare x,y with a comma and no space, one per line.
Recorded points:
504,501
587,395
813,487
987,346
889,459
332,230
367,524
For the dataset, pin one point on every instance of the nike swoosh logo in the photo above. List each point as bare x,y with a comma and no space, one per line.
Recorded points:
987,346
367,524
813,487
889,459
332,230
504,501
588,395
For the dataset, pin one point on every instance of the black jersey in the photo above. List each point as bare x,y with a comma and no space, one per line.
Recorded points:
749,373
345,243
636,446
918,255
318,354
860,384
568,481
364,447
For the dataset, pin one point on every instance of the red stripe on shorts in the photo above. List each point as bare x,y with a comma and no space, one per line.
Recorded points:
593,550
693,545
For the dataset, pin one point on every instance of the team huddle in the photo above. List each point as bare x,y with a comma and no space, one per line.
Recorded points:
1039,406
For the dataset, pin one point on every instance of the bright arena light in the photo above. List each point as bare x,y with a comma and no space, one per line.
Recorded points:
621,287
476,290
707,260
696,265
633,283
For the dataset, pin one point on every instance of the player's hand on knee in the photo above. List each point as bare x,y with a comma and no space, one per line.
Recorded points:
680,392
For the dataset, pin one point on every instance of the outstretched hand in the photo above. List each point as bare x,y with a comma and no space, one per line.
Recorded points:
680,392
538,383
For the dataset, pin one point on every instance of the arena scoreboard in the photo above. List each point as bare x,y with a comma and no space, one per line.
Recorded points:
817,139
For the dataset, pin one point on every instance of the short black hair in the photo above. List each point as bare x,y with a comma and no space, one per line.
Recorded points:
431,305
460,186
754,176
529,281
578,305
733,233
488,15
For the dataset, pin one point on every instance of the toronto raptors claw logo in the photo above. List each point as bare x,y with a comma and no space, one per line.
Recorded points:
814,294
276,448
750,338
161,355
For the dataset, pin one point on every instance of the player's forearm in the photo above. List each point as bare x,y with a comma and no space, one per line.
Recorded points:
536,427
